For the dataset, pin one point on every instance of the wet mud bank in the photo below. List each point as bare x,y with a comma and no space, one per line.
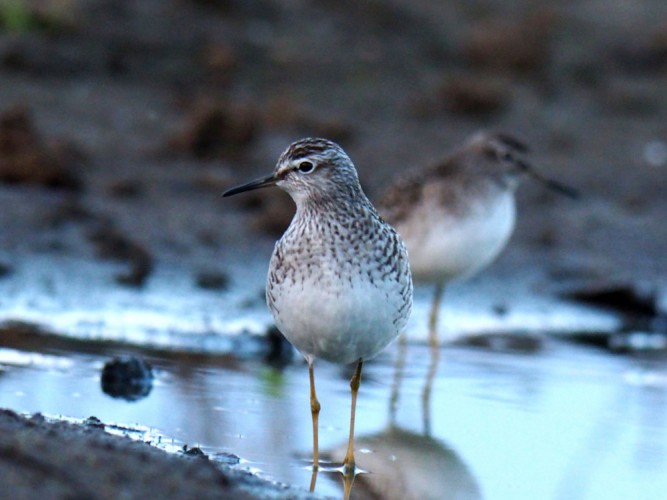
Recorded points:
44,458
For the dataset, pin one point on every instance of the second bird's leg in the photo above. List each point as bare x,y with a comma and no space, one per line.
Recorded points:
433,317
348,463
428,388
315,411
398,376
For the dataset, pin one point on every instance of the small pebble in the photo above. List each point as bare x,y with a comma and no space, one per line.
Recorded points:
127,377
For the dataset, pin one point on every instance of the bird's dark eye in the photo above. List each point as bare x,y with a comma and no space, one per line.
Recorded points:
306,167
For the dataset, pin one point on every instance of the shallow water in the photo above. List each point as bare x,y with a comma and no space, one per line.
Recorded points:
563,422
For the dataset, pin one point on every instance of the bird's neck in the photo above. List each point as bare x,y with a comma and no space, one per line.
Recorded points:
334,210
345,199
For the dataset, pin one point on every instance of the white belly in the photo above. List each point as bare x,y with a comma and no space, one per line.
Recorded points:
443,248
339,321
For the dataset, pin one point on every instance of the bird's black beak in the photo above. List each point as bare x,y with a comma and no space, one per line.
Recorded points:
549,183
555,185
256,184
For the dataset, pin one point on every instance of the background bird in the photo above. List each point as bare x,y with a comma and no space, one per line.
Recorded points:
456,216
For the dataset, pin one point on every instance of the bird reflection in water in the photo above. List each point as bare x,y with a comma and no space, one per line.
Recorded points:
434,350
406,465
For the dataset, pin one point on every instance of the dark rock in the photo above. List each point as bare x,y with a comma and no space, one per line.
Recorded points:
129,378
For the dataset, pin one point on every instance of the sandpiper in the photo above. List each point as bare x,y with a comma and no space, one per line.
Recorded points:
455,217
339,285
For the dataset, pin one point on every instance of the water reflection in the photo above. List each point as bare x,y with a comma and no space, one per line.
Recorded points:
405,465
399,373
399,464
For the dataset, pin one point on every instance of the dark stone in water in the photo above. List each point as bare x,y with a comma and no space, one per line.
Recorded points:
127,377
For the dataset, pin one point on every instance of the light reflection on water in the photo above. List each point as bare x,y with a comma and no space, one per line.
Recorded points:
565,422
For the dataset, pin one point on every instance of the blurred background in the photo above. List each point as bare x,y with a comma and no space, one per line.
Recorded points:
121,123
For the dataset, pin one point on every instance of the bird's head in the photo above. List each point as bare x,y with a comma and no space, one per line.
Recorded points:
310,169
503,157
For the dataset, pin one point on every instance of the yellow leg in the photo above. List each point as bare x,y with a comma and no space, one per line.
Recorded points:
433,317
348,463
348,481
315,411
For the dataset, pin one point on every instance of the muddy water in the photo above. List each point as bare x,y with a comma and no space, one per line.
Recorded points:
563,421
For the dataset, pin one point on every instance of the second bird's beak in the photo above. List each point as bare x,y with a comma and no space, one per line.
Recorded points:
256,184
555,185
549,183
